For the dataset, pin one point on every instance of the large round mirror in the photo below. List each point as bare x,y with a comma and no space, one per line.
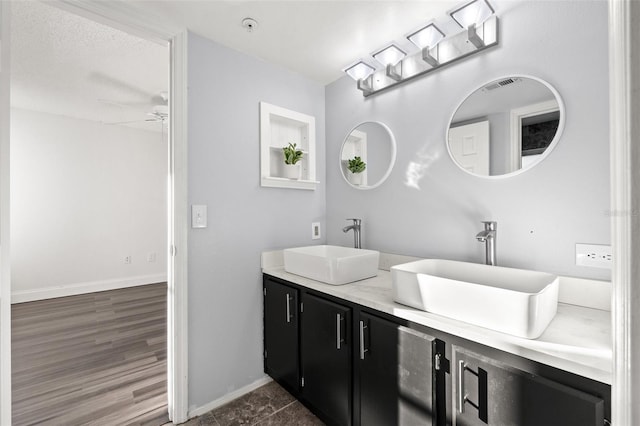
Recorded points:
506,126
368,154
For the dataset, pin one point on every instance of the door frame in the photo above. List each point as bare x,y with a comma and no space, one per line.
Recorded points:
5,266
515,118
624,77
126,18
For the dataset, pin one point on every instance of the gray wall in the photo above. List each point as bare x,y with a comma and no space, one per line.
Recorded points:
225,293
430,208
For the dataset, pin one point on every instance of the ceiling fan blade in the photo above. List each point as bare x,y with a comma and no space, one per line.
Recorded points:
123,122
160,99
108,81
122,104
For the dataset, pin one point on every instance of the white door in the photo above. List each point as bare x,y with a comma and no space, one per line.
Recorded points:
469,146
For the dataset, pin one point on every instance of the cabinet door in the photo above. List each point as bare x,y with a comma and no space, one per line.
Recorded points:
325,358
397,379
281,333
493,393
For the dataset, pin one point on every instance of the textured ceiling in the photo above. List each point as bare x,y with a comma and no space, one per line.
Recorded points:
68,65
316,38
65,64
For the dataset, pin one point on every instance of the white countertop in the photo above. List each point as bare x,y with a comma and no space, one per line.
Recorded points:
578,339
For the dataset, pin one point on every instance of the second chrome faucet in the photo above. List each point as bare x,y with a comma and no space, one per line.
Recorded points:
488,237
356,232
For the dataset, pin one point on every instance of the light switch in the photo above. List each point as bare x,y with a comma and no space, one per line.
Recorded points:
198,216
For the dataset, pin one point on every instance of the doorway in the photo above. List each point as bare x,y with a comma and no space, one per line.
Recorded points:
88,213
177,211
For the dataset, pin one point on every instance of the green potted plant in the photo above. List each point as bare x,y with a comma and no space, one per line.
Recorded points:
356,166
291,157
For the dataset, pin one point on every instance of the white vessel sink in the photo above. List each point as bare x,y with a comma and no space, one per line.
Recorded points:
332,264
513,301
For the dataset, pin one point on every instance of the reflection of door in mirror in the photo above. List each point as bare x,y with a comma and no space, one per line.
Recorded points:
514,106
533,128
469,145
355,146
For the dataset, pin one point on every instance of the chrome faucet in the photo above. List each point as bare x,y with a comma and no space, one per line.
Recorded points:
356,232
488,237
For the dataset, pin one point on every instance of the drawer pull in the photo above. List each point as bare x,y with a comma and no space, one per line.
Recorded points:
339,338
288,308
363,350
482,404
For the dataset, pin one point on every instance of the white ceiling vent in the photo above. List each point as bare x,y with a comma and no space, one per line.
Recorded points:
501,83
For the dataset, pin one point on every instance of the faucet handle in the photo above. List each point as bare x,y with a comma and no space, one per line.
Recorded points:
355,221
490,225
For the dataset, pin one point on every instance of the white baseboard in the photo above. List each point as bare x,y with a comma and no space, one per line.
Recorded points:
198,411
83,288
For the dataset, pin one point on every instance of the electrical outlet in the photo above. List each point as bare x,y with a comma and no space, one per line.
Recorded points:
151,257
315,231
594,255
127,260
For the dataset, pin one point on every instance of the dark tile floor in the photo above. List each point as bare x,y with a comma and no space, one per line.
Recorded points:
269,405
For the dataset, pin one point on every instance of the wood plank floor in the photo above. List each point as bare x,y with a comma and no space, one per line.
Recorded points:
91,359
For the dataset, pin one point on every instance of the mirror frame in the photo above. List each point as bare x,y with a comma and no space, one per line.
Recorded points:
546,152
392,160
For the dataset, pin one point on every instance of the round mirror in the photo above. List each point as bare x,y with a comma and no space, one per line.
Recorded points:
506,126
368,154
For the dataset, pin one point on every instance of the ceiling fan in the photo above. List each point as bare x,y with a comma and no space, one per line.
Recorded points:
159,112
144,104
159,99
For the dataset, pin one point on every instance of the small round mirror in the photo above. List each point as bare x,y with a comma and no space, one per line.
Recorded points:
506,126
368,154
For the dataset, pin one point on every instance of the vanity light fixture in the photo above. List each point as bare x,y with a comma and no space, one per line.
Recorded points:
391,57
472,15
427,36
480,25
475,12
426,39
361,72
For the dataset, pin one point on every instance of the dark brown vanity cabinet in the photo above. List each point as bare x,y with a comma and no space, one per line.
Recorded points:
489,392
281,304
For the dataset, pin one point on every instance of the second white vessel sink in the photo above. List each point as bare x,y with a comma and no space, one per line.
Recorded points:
513,301
332,264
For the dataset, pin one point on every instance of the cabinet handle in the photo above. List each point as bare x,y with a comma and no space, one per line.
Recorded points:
288,308
338,331
363,350
482,405
462,396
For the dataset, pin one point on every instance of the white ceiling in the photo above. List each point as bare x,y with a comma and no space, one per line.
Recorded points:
68,65
316,38
482,103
